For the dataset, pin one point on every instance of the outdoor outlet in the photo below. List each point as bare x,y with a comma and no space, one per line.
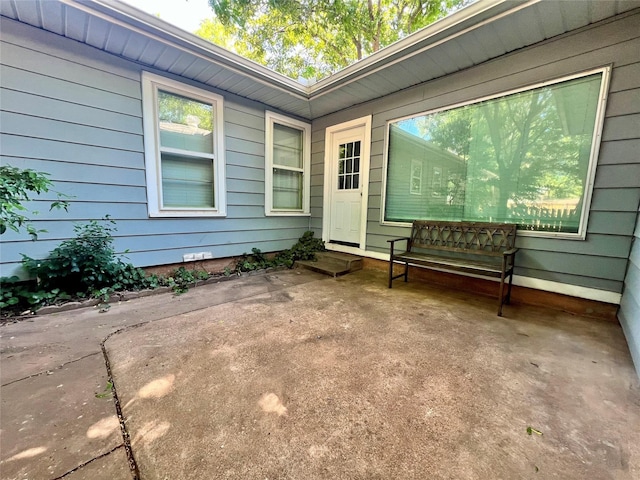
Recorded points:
192,257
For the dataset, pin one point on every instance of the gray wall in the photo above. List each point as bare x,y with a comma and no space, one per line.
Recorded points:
75,112
600,261
629,313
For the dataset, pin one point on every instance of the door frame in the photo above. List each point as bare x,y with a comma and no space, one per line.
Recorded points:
365,161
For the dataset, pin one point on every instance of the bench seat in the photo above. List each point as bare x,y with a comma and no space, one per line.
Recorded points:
484,249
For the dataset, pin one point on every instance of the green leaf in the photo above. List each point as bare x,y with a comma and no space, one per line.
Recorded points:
107,392
531,430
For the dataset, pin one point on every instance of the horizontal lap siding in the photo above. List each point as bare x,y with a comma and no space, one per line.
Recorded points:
76,113
629,313
599,261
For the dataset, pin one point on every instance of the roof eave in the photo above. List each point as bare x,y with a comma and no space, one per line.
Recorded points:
115,10
438,32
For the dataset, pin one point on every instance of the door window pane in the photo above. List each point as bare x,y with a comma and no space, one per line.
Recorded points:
348,165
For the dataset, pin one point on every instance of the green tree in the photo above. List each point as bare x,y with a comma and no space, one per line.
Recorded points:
16,187
314,38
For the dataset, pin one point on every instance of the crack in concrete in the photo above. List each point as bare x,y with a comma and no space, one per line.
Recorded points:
89,461
133,466
271,288
116,400
45,372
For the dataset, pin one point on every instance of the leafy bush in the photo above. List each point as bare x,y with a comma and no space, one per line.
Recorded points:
86,263
307,247
304,249
18,295
84,266
182,278
16,187
87,266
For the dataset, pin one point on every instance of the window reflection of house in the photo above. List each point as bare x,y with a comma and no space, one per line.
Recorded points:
430,174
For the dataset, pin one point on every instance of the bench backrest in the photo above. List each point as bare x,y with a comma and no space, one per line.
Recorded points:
469,237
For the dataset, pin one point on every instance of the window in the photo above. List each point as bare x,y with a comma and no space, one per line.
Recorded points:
415,185
349,166
288,159
183,149
526,157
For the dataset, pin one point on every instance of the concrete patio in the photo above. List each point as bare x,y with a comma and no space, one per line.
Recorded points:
292,375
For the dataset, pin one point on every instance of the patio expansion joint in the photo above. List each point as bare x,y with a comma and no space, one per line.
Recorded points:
126,438
82,465
48,372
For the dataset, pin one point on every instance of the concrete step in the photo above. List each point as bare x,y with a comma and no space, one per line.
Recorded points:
333,263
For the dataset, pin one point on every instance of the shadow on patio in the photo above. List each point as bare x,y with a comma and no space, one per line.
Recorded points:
344,378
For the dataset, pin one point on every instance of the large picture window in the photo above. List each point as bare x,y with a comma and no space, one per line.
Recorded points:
183,149
288,159
524,157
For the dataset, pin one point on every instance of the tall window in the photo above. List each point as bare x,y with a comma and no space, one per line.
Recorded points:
525,157
288,159
183,149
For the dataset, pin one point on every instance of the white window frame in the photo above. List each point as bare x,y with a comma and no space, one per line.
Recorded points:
593,159
151,83
272,118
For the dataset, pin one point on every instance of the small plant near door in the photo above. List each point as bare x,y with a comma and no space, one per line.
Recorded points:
304,249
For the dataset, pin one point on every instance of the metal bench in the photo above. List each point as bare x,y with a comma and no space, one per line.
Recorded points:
485,249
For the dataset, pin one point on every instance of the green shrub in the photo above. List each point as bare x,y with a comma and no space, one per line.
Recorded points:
87,266
86,263
16,187
304,249
84,266
181,279
18,295
307,247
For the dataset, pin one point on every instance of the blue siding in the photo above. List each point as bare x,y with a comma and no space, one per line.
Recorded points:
629,314
75,112
599,262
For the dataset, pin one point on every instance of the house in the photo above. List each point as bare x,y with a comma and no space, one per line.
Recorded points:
193,149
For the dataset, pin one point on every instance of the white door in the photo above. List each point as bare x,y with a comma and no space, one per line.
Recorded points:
347,176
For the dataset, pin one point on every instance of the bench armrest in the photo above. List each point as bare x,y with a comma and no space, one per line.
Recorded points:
511,251
392,244
398,239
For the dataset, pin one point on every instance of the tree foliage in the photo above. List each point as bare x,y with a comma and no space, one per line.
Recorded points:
314,38
17,186
515,146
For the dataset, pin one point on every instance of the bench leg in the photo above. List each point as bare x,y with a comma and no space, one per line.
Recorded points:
500,295
508,301
405,274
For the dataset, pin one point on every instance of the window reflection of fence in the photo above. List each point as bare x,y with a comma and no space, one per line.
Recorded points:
545,219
